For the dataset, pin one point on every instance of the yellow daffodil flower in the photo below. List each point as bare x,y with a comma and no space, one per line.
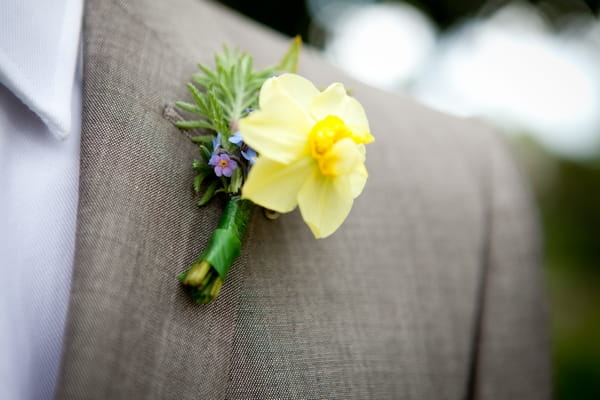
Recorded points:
311,151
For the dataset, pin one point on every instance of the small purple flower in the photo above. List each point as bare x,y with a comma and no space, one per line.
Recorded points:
247,152
237,138
250,155
216,143
222,164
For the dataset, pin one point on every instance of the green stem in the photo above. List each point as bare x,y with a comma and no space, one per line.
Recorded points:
204,278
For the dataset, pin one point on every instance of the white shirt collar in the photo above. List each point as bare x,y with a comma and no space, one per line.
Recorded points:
39,43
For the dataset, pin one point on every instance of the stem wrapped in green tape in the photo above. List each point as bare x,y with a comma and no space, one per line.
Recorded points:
204,278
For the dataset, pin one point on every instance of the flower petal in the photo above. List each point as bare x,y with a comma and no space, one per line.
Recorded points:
236,138
279,130
274,185
335,101
214,160
358,177
294,86
357,180
325,202
342,158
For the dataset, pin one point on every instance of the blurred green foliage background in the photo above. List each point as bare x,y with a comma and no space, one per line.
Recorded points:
570,205
568,193
567,188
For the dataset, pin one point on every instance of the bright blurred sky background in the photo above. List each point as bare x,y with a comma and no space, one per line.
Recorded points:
510,65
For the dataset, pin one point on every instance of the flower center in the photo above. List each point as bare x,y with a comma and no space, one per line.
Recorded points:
223,163
326,133
322,139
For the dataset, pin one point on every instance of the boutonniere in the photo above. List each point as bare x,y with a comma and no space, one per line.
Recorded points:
273,140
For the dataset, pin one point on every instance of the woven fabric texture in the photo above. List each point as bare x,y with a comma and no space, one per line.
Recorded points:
430,290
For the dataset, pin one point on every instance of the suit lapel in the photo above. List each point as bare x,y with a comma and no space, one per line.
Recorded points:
138,227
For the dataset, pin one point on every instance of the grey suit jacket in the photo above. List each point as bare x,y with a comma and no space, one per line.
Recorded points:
430,290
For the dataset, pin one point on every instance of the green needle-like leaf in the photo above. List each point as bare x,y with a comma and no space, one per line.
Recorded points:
199,179
198,96
208,194
236,181
204,152
291,59
194,124
189,107
197,165
202,139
